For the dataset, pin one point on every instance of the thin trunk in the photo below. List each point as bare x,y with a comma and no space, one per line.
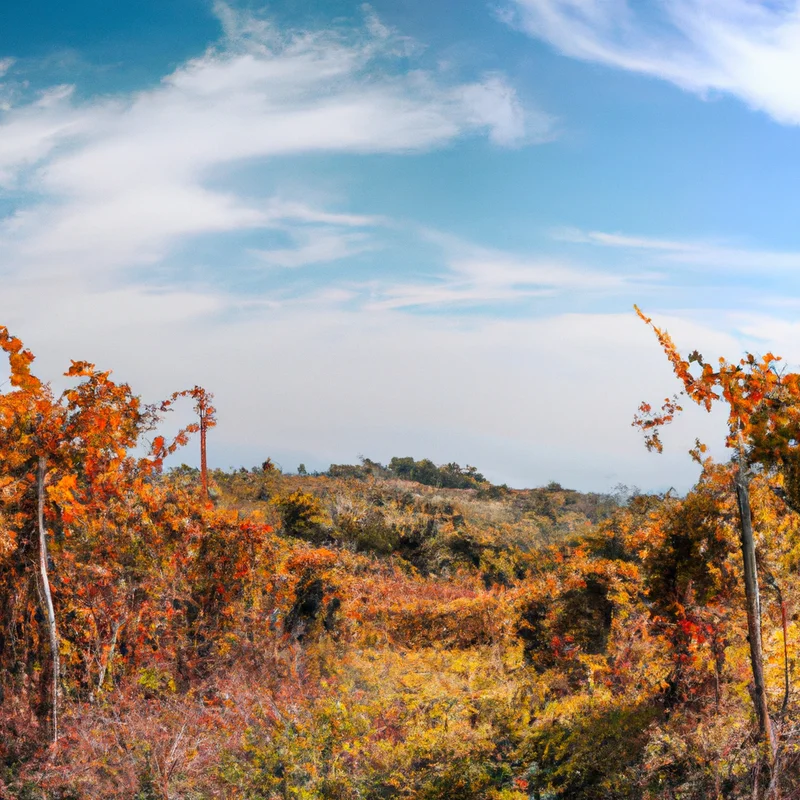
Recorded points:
753,611
104,667
718,649
48,597
769,579
773,790
785,626
203,463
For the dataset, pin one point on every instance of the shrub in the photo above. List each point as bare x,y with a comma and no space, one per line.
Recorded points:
302,515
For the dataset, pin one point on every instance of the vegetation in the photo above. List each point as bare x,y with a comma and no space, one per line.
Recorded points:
398,631
447,476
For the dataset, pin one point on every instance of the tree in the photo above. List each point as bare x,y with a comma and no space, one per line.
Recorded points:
402,467
763,408
30,416
206,418
64,461
67,452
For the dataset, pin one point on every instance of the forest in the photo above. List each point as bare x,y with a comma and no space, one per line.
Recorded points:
407,630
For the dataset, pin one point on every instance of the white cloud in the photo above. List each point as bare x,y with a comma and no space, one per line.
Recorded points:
31,133
287,210
477,275
494,104
747,49
707,254
124,179
317,245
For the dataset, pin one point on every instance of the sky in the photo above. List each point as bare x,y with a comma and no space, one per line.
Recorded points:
409,227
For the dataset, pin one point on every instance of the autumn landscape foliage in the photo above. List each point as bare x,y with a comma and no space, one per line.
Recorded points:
391,631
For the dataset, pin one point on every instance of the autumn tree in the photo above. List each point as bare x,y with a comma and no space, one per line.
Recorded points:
65,462
206,418
763,407
61,455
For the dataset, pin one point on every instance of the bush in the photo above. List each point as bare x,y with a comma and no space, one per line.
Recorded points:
302,515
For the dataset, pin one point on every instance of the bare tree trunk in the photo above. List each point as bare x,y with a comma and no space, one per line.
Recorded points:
785,626
769,579
48,597
203,461
109,658
753,610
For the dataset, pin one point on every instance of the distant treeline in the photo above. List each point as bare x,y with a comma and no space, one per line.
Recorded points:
445,476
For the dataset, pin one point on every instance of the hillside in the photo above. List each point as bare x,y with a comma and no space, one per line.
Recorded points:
392,639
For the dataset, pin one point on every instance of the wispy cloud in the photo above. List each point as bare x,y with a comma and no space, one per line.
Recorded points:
115,182
317,246
475,275
747,49
704,254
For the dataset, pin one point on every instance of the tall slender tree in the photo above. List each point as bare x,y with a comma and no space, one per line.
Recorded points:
206,418
763,407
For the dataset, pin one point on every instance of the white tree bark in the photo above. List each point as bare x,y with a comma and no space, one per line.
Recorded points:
48,596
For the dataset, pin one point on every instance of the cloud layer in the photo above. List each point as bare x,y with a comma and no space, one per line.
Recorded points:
115,182
747,49
709,255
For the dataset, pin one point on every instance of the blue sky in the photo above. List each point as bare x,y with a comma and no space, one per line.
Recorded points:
405,228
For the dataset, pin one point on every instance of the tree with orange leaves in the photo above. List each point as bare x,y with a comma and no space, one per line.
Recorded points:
206,418
63,460
763,406
29,415
72,445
